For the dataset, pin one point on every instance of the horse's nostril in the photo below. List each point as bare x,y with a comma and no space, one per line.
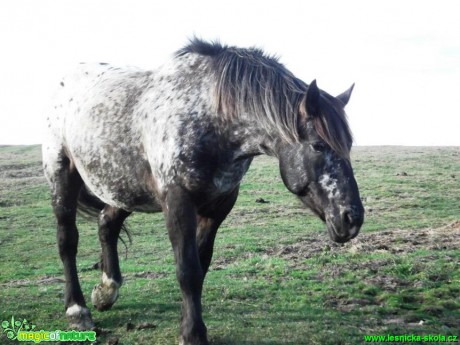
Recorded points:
349,217
352,217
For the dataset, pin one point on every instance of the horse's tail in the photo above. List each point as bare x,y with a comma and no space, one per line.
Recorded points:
90,206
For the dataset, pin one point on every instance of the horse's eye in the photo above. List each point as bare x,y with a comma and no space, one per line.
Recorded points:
319,147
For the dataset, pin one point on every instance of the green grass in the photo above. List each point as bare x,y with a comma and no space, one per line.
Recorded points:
275,277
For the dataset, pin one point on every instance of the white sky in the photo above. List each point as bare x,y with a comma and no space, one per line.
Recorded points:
404,55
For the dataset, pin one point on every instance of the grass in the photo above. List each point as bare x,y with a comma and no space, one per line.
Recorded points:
275,277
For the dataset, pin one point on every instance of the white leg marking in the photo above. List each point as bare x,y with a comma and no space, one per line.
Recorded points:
76,310
109,281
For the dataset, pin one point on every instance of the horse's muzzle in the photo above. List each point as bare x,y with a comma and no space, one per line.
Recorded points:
345,225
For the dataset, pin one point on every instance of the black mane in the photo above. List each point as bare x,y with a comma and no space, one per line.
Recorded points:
201,47
250,81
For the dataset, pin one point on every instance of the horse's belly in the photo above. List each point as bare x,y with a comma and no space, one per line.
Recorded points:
124,195
124,181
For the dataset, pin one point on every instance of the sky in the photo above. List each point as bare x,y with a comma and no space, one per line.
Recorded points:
404,56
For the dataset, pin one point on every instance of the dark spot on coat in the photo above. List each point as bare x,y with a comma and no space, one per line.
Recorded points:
62,83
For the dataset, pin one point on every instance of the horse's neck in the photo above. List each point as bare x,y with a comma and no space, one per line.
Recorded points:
250,138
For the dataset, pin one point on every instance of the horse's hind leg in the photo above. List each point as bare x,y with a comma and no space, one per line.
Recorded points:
110,223
66,184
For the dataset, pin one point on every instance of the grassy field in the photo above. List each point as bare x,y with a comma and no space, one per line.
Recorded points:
275,276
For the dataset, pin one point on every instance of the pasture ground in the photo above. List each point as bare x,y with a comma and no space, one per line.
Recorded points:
275,276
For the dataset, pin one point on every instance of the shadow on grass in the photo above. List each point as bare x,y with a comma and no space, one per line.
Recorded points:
225,340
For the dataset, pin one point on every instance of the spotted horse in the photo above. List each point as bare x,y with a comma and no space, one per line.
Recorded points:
178,140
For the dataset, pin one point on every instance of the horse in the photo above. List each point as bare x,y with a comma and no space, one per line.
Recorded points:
178,139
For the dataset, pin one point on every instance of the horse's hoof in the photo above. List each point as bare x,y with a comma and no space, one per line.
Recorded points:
104,296
79,318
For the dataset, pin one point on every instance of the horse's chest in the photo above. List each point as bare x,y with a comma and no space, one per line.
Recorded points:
226,178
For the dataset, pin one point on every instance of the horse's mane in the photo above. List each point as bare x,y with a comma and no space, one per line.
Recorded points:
251,82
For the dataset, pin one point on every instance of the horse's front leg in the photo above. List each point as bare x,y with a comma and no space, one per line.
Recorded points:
110,221
211,217
181,222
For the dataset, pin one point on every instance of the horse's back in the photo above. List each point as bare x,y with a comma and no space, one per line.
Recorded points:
92,94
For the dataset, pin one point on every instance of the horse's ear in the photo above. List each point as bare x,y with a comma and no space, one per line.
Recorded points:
345,96
310,103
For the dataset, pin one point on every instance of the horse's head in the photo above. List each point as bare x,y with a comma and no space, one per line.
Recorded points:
317,168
